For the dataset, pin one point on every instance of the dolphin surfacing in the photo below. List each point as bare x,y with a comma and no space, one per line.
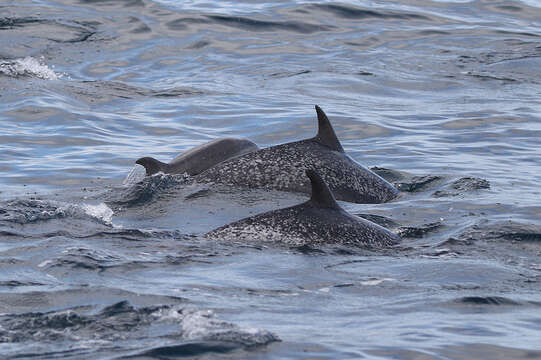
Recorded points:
200,158
319,221
282,167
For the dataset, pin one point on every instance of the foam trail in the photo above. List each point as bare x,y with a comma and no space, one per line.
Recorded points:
28,66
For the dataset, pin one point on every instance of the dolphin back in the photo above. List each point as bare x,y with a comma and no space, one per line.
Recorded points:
200,158
151,165
319,221
210,154
282,167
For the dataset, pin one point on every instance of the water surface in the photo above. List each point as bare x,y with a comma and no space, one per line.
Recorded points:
445,91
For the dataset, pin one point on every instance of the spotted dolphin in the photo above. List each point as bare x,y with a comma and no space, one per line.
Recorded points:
282,167
200,158
318,221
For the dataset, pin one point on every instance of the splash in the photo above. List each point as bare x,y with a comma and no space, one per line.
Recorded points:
202,324
101,212
136,174
144,190
28,66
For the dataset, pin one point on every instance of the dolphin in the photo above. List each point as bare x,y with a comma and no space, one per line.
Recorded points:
200,158
282,167
318,221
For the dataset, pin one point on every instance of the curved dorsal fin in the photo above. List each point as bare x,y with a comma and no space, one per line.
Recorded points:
325,133
322,196
152,166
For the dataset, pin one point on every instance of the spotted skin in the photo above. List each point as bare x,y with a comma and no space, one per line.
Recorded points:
283,167
318,221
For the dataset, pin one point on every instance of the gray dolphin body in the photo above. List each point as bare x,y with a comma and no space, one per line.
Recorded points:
282,167
318,221
200,158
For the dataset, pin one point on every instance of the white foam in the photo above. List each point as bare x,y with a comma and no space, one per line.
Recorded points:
168,314
100,211
375,281
45,263
28,66
202,324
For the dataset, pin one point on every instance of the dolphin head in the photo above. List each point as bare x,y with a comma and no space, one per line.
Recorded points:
151,165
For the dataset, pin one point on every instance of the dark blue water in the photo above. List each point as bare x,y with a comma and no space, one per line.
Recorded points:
96,265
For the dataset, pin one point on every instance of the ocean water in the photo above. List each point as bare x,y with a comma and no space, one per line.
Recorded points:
98,263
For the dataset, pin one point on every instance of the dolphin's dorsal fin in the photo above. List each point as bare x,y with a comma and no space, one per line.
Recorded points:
152,166
325,133
322,196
